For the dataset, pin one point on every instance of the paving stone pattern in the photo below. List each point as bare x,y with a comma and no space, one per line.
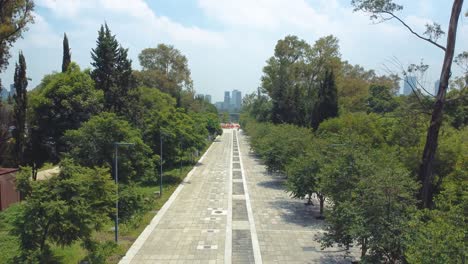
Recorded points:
194,227
286,227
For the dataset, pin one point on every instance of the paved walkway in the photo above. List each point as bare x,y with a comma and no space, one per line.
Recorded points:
229,210
47,174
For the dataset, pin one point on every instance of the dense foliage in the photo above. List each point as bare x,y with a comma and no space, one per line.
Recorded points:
363,164
74,118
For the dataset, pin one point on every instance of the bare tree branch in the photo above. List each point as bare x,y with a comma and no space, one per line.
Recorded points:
412,31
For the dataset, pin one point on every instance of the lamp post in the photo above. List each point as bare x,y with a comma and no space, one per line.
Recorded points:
116,170
160,163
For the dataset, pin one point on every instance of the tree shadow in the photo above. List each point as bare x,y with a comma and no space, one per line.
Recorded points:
335,258
272,184
298,213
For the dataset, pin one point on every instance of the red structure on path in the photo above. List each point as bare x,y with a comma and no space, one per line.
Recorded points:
8,192
230,125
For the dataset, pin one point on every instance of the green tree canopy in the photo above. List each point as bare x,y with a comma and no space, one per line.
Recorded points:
112,71
165,68
93,145
14,18
62,210
63,101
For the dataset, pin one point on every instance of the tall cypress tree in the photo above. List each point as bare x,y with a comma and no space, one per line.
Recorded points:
124,80
19,110
326,105
112,70
104,58
66,53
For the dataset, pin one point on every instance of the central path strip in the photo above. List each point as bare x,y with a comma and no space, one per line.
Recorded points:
245,247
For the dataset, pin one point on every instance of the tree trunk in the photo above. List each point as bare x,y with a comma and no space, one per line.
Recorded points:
430,148
322,201
34,171
309,200
363,248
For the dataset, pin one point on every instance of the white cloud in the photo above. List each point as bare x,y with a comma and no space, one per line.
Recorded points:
135,12
264,14
40,34
232,56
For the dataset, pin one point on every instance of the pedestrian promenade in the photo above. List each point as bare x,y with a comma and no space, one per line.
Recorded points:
229,210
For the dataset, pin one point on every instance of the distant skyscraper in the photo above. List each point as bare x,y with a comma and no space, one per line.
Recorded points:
436,87
410,84
236,99
208,98
219,105
12,89
227,99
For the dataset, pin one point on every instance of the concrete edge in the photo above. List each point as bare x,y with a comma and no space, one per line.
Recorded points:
136,246
253,230
228,241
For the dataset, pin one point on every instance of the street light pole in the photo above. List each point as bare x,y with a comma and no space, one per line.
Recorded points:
116,170
160,163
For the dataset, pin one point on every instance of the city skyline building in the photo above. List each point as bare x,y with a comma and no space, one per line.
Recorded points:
409,84
236,101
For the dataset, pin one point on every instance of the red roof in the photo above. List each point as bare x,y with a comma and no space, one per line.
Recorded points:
7,170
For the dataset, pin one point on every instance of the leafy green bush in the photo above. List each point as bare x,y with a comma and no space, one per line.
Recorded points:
93,145
63,210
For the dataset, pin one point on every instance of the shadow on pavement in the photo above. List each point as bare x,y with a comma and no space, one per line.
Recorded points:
296,212
273,184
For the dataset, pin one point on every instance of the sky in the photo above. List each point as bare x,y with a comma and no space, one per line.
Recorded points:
228,42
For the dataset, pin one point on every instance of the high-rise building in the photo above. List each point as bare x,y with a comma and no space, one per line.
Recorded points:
436,87
410,84
12,90
208,98
219,105
227,99
236,99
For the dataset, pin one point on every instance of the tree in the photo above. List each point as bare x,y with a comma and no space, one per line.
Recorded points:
6,119
439,235
371,202
63,101
93,145
380,100
14,18
66,54
62,210
387,10
19,112
112,71
125,81
294,74
282,80
165,68
104,58
302,180
326,105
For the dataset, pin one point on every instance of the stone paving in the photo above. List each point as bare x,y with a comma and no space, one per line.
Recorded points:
286,227
229,210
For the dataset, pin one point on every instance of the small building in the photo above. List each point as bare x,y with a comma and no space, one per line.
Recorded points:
8,193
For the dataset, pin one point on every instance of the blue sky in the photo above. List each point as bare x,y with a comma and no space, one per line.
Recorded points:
227,42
